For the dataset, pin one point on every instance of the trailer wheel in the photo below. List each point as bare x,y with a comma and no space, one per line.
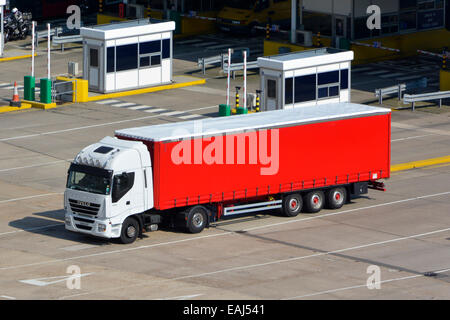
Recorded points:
292,205
196,219
130,230
314,201
336,198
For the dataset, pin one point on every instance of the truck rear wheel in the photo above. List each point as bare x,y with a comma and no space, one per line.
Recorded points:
336,198
196,219
130,230
292,204
314,201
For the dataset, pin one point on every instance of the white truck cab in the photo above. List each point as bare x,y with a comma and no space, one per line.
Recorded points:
108,182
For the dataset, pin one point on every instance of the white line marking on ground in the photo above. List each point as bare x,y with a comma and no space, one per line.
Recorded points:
414,137
107,101
93,126
183,297
391,75
273,262
34,165
172,113
409,77
204,44
216,235
154,110
362,285
138,107
79,247
40,283
377,72
8,297
123,104
190,116
31,197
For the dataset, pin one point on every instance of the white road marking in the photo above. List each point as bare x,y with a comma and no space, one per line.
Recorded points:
32,229
190,116
413,127
189,41
34,165
258,265
172,113
377,72
204,44
41,283
391,75
8,297
31,197
154,110
93,126
414,137
221,234
138,107
409,77
108,101
362,285
79,247
123,104
183,297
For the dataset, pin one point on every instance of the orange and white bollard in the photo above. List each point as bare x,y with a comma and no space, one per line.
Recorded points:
15,102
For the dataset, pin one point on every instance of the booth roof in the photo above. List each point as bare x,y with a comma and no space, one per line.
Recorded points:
254,121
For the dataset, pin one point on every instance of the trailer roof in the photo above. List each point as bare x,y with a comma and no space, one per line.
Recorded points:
240,123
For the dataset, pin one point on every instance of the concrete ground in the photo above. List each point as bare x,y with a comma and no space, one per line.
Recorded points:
404,231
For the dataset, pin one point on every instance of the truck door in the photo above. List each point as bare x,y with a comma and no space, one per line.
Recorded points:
271,94
127,195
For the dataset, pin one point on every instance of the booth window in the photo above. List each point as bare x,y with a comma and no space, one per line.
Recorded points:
328,84
305,88
150,47
344,79
93,58
166,48
110,60
288,90
126,57
271,89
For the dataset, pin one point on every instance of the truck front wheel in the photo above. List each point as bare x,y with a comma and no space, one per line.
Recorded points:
130,230
292,205
196,219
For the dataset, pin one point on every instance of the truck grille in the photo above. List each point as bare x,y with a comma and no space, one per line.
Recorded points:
83,207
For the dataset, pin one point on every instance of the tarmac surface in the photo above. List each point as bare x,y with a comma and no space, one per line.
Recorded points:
405,231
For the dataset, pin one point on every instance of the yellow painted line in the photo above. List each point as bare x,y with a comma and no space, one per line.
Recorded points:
17,57
419,164
147,90
24,106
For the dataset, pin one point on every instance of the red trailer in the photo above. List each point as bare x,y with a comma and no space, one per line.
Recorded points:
298,159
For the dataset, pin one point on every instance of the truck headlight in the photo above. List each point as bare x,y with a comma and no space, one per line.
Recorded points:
68,221
101,227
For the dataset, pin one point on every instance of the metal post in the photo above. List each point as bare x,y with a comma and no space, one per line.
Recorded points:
33,30
293,21
399,92
245,79
203,66
228,76
48,51
413,106
440,103
2,41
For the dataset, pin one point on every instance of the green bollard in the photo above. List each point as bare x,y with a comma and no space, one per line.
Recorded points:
46,90
29,85
241,110
224,110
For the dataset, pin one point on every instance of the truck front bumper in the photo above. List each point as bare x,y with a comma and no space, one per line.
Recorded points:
97,227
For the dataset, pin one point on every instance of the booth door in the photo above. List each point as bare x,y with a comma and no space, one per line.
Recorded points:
94,67
271,94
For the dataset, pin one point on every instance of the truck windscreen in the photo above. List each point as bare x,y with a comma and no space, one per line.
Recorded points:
89,179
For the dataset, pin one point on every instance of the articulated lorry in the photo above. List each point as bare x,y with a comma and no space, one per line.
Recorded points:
190,174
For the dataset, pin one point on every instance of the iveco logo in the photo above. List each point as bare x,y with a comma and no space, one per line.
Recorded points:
82,203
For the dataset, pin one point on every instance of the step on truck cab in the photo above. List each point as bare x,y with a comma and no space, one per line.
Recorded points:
189,174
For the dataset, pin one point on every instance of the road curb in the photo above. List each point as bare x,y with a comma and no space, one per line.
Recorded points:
419,164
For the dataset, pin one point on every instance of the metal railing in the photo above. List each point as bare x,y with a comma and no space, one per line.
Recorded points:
413,98
66,39
239,66
398,89
203,62
64,91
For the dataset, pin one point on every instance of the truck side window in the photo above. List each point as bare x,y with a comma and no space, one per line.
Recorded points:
121,185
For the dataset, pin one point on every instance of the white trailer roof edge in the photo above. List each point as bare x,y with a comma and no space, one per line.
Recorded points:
256,121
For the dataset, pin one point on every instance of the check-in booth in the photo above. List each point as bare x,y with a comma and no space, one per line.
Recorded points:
127,55
305,78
